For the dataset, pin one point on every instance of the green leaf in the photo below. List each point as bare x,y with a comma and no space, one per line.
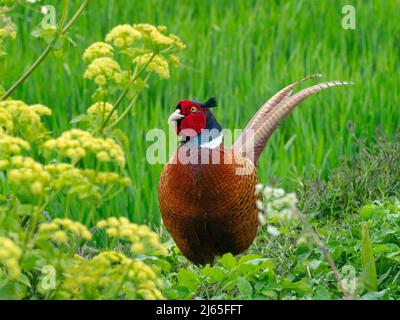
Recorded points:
314,264
252,258
188,279
30,260
228,261
45,34
301,287
389,248
215,274
368,260
177,293
374,295
24,280
244,287
323,293
61,46
371,210
337,252
139,85
165,265
270,294
77,119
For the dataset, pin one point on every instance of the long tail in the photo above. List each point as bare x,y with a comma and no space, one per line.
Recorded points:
260,128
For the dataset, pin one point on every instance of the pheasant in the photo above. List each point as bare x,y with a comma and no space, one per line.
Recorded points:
206,190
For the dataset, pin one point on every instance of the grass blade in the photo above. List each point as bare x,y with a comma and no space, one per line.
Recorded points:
368,260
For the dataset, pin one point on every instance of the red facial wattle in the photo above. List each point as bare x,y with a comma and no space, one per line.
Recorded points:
194,118
192,124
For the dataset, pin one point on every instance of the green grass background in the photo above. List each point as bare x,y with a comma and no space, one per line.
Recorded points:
241,52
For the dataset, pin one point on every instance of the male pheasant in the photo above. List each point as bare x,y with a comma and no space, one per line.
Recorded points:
207,190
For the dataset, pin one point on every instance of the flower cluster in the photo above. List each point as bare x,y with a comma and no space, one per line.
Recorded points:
102,110
61,230
6,121
98,50
26,119
10,146
140,42
76,144
155,60
155,63
106,178
40,110
9,257
174,60
7,27
123,36
103,71
142,239
94,279
277,207
157,35
154,34
26,175
84,183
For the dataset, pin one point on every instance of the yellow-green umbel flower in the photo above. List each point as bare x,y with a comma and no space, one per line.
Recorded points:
11,146
98,50
158,64
177,42
62,230
158,36
84,183
103,70
102,111
6,120
41,110
123,36
10,254
93,279
26,119
175,61
76,144
154,34
25,174
142,239
7,27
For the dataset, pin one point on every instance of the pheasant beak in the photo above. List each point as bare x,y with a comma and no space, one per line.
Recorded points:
175,116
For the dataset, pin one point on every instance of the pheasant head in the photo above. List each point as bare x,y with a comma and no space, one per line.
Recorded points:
191,117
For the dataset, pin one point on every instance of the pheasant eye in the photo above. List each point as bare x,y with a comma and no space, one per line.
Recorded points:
193,109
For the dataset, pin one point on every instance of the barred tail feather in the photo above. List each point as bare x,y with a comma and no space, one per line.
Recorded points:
262,127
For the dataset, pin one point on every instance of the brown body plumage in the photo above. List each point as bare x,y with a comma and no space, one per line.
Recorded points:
219,215
210,208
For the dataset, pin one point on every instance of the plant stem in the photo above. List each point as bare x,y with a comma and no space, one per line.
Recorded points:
90,215
75,16
47,50
117,103
125,92
30,230
63,17
27,73
130,106
124,113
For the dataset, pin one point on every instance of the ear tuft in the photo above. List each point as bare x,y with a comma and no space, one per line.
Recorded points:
210,103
